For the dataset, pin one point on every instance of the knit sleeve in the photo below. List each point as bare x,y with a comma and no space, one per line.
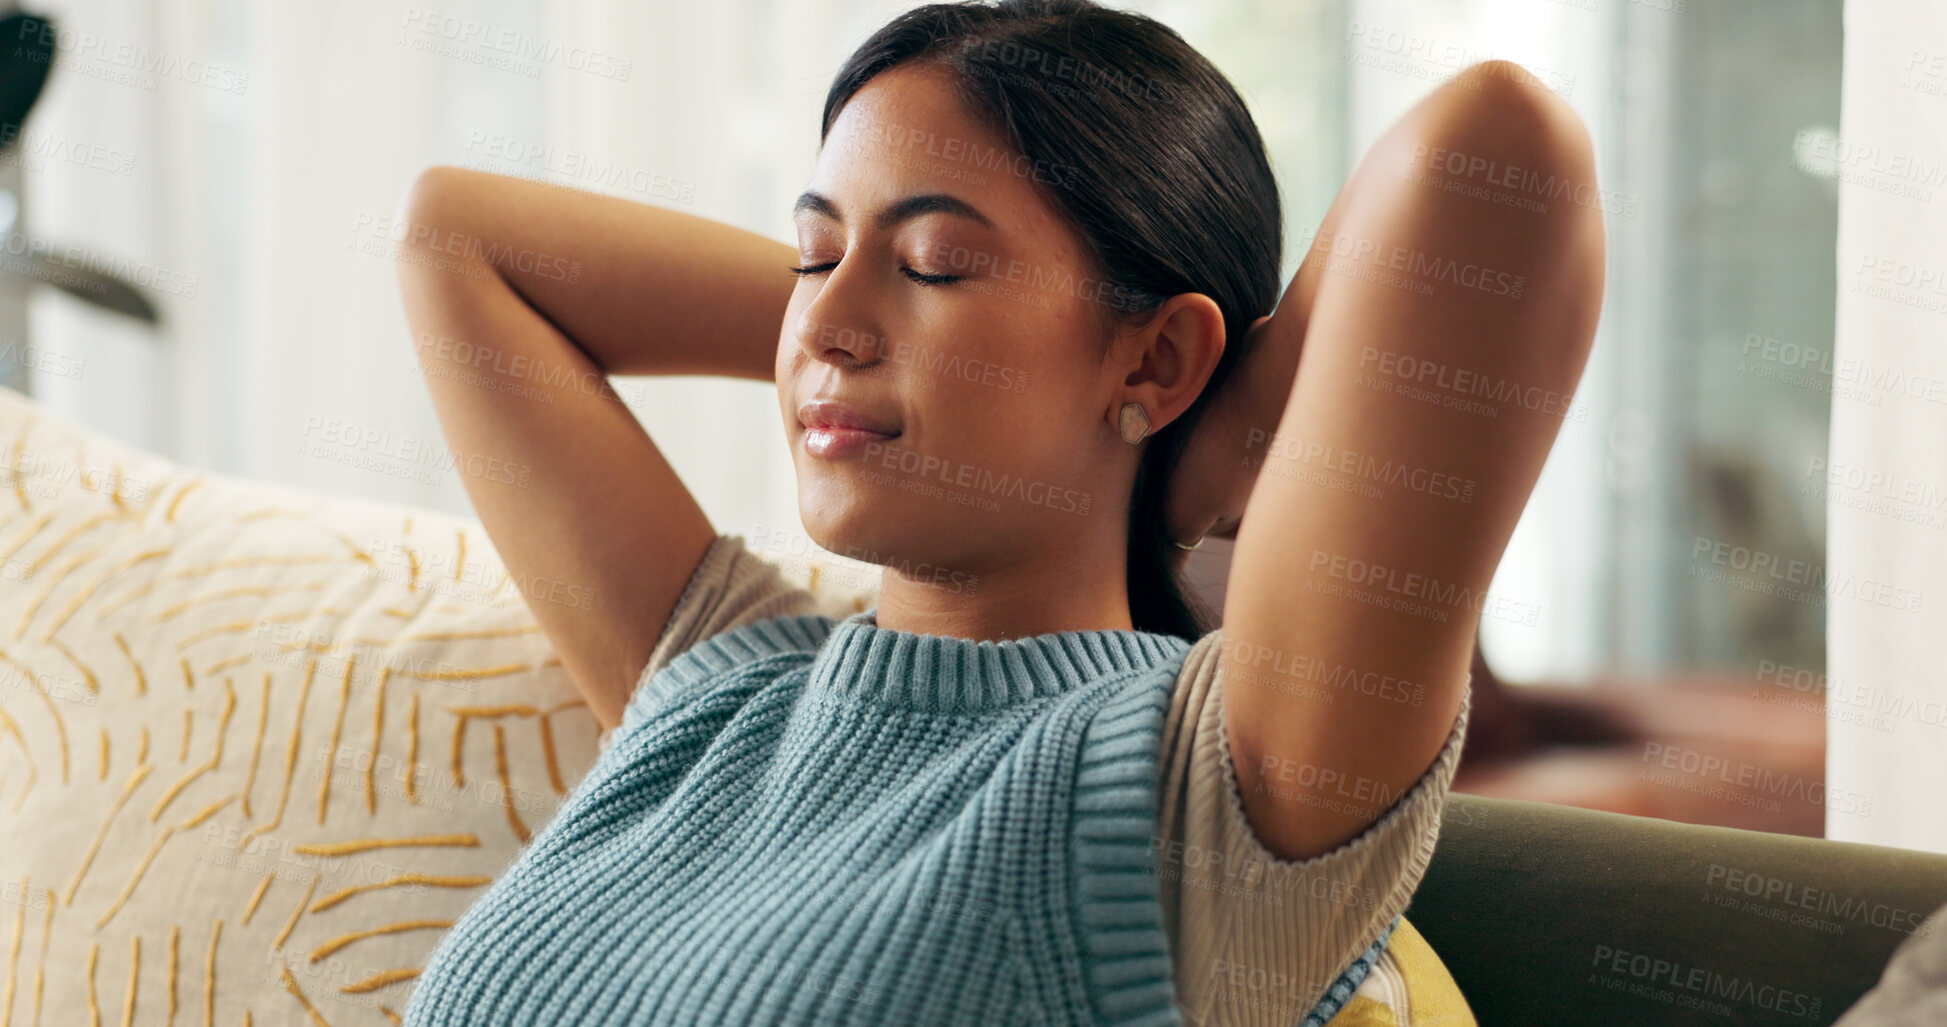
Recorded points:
1256,939
730,587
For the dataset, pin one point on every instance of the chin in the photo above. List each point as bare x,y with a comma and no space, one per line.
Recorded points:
841,518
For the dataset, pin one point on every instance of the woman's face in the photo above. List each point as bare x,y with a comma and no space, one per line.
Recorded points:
953,324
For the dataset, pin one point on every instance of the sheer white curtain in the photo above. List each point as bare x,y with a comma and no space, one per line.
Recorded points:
268,146
1552,579
1886,574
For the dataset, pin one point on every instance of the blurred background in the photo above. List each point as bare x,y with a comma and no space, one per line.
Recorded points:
240,166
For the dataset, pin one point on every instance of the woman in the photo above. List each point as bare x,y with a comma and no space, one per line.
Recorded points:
1026,360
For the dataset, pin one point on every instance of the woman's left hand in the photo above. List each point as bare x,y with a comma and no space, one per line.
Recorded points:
1219,466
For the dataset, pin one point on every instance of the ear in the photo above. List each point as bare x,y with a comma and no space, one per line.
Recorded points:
1166,361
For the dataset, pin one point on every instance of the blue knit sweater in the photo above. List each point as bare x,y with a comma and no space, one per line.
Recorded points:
818,821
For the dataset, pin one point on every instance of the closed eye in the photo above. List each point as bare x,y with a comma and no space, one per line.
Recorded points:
917,276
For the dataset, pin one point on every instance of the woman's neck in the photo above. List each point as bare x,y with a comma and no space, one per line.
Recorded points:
1031,593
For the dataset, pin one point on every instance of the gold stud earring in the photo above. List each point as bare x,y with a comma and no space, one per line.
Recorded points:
1134,422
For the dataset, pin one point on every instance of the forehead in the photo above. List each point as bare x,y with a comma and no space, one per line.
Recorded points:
907,131
919,95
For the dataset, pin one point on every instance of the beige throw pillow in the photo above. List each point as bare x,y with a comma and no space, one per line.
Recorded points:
259,747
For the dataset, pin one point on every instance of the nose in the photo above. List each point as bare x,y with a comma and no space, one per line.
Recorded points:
836,328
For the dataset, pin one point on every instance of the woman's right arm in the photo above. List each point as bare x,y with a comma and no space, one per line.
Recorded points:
522,298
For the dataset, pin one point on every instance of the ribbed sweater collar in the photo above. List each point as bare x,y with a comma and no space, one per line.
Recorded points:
945,674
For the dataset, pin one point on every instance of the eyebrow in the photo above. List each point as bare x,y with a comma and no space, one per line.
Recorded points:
902,210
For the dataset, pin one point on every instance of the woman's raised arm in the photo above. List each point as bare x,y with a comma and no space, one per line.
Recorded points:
522,298
1453,296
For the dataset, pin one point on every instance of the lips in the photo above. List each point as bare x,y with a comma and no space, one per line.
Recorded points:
835,431
829,414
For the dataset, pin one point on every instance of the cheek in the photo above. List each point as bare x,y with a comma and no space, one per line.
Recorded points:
1019,372
1012,414
982,382
1033,341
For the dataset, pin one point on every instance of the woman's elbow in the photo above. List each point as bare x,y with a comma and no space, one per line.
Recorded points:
1510,125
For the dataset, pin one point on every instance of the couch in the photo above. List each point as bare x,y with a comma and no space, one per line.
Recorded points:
1547,914
260,746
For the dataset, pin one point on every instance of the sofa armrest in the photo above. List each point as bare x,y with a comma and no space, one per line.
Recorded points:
1550,914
